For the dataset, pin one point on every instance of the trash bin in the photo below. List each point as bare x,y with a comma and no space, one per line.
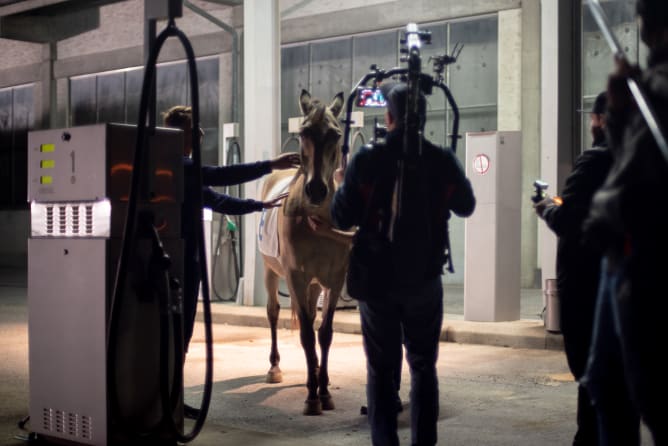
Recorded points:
552,315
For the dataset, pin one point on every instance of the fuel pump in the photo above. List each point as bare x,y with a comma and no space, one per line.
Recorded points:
105,267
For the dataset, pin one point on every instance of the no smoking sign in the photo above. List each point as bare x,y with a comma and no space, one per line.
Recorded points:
481,164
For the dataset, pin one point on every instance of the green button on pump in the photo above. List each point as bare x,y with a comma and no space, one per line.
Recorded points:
44,148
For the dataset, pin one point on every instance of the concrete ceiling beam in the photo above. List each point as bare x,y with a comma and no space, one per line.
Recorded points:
49,28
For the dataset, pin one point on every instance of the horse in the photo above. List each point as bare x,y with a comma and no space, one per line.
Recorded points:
308,261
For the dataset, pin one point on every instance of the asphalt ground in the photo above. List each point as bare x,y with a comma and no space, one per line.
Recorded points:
489,394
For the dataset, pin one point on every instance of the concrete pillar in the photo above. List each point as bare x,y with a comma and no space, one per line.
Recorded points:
63,115
46,94
262,117
560,91
511,118
510,70
531,144
518,108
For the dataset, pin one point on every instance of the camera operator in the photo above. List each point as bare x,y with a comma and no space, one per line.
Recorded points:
578,271
629,220
410,308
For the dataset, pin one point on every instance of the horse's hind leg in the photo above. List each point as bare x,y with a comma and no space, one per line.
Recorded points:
325,335
271,279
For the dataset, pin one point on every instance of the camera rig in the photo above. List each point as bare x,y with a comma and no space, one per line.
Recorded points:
417,82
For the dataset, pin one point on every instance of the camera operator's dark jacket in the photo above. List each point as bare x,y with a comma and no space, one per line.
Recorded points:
375,167
578,265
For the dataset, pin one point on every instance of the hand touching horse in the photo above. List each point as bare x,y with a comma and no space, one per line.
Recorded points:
308,260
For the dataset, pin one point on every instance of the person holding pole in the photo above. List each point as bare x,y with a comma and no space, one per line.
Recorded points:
629,221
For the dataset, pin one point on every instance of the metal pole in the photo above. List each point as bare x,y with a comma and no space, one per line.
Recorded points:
636,91
150,31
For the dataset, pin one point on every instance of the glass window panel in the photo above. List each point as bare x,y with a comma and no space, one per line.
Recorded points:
619,12
24,116
457,239
438,47
111,97
437,127
5,178
172,86
208,77
331,68
210,146
16,119
6,146
83,101
597,59
366,133
375,49
597,56
473,78
5,119
587,104
20,170
24,120
477,119
294,78
133,83
289,143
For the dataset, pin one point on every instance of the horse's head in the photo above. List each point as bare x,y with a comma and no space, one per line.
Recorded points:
320,136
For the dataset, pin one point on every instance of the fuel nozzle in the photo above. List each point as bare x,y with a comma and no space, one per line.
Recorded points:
540,188
231,226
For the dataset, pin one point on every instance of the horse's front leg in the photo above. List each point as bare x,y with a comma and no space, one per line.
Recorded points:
325,335
274,375
299,289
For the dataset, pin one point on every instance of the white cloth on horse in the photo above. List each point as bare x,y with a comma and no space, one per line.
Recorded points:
267,234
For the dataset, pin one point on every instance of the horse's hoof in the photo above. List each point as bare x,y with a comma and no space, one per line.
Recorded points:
327,402
274,375
313,407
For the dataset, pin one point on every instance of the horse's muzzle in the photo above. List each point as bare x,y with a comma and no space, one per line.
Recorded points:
316,191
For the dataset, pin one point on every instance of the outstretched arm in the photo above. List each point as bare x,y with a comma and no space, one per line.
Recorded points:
241,173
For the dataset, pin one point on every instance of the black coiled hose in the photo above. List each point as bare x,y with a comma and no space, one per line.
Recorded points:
129,234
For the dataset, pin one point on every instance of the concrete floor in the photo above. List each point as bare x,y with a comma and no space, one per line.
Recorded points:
489,395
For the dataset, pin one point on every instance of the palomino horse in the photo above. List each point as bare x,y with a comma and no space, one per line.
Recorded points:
309,262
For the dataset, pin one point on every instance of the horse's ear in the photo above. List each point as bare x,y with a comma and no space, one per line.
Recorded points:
305,103
337,104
